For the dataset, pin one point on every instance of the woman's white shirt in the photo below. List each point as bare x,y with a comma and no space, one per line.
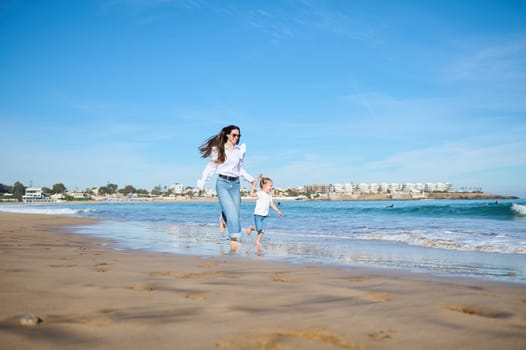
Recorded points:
233,165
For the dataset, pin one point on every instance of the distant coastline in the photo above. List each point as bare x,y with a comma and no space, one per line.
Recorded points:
180,193
320,197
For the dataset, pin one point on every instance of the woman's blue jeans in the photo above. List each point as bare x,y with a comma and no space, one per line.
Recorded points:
229,196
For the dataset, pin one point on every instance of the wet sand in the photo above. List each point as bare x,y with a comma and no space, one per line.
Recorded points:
83,294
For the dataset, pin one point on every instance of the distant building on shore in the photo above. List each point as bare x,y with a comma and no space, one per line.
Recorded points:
374,188
177,188
35,194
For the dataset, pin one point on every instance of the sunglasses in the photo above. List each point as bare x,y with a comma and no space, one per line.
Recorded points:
235,135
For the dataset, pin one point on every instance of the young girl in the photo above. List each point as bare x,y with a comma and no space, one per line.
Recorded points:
263,203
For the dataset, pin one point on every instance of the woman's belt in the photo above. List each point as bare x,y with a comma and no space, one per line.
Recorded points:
229,178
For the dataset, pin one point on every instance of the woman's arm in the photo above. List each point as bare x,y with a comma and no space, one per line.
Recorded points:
242,172
209,170
253,192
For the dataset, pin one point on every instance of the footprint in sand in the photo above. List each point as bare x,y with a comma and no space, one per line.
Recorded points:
357,279
64,265
381,334
102,267
477,311
196,296
277,278
161,273
141,288
209,264
274,339
98,319
13,270
379,297
196,274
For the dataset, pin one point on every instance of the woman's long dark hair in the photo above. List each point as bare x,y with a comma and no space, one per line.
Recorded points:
218,141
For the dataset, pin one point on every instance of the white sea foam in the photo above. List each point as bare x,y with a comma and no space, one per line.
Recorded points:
519,209
43,210
450,240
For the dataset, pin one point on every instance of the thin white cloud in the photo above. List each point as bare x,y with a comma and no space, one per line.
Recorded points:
115,4
342,23
448,160
447,117
504,61
265,20
292,20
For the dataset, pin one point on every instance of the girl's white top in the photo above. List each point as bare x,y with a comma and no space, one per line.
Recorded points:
262,203
233,165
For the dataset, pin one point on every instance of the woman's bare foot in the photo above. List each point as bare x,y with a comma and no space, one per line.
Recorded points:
234,245
250,229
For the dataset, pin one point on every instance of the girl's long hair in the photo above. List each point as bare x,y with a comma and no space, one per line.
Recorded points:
218,141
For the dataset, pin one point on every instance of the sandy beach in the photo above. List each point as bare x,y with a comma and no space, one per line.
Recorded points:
65,291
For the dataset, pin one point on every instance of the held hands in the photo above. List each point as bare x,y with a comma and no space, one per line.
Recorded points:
253,189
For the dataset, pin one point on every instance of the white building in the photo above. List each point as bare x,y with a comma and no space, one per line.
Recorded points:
78,195
438,187
33,194
384,188
339,188
348,188
363,187
177,188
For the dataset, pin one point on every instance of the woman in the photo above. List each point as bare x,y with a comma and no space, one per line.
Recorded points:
226,159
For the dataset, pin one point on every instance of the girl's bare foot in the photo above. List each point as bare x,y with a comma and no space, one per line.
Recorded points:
250,229
258,240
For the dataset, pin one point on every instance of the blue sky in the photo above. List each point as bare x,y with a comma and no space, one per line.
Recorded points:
124,91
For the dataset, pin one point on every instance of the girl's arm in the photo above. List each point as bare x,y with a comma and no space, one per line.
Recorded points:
276,209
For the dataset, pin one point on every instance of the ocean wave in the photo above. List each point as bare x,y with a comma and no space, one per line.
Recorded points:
44,210
498,245
433,209
519,209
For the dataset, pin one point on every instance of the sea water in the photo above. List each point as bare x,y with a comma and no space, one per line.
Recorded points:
476,238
